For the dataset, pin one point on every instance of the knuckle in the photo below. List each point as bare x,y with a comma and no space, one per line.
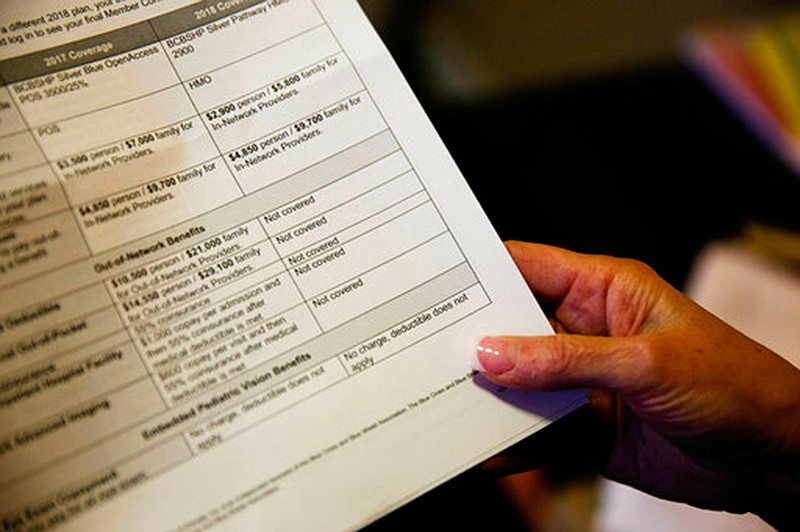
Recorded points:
559,357
647,360
638,268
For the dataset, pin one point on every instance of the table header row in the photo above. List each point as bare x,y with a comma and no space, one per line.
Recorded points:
122,40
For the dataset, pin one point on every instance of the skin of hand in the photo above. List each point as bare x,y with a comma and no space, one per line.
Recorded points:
692,410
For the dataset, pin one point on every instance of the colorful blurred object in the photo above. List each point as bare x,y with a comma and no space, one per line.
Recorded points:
754,64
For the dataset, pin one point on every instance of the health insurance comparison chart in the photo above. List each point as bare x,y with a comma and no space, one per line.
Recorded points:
240,276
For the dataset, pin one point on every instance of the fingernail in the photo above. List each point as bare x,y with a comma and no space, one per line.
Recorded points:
492,355
475,362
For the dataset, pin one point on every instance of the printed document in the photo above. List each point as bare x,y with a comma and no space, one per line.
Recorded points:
240,275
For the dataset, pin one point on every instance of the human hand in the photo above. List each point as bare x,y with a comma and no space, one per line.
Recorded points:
699,413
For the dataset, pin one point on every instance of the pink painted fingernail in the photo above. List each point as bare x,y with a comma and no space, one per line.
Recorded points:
474,360
492,355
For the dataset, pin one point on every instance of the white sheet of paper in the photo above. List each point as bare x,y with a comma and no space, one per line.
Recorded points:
240,275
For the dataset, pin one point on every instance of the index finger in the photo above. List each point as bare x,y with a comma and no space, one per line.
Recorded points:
549,271
590,294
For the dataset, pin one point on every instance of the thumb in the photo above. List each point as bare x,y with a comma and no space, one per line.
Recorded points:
561,361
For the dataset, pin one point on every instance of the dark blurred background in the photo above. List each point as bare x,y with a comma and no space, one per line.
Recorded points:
581,124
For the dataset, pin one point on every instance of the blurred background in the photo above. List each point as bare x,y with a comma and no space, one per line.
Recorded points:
585,125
